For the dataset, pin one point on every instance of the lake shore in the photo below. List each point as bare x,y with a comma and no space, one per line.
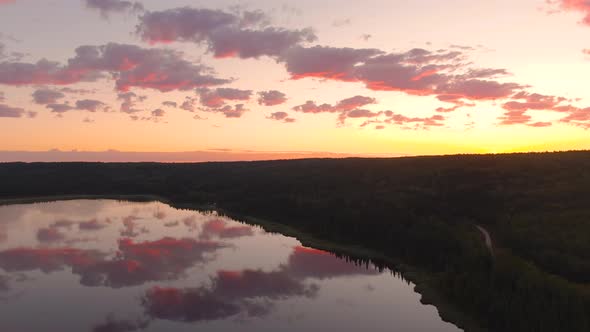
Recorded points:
422,280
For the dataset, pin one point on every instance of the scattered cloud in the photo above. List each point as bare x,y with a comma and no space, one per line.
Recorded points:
215,98
129,102
271,98
60,108
108,7
90,105
158,113
344,105
219,228
366,36
571,5
281,116
228,111
14,112
47,96
347,108
342,22
132,66
223,33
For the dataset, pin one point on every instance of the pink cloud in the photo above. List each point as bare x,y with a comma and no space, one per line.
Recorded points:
48,235
133,66
47,96
344,105
216,98
60,108
281,116
325,62
129,102
158,112
220,228
271,98
347,108
416,122
107,7
573,5
228,111
225,34
172,104
14,112
90,105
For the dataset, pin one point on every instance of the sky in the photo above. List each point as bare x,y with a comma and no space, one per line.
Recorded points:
185,80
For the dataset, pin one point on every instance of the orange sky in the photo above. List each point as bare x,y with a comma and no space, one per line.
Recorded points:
377,78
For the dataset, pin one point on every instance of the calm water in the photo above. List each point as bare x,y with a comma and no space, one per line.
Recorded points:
101,265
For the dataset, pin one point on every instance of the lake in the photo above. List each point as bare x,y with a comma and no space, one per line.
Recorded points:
111,266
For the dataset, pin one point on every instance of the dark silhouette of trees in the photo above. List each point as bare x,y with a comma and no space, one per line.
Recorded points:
421,210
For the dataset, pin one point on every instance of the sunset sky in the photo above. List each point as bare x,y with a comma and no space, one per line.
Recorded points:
249,79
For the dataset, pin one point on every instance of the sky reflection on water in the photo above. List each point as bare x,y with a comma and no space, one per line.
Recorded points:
108,266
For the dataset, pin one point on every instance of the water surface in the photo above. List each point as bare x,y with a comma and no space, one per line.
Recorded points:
109,266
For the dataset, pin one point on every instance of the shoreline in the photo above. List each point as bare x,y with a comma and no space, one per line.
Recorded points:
421,280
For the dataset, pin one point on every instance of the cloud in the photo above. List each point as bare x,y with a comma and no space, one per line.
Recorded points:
170,104
344,105
356,114
366,36
91,225
129,102
281,116
248,293
90,105
342,22
135,263
141,262
312,263
219,228
572,5
131,66
107,7
60,108
579,117
325,62
524,101
46,259
5,2
229,111
158,113
223,33
520,103
347,108
48,235
233,293
416,122
271,98
47,96
131,227
14,112
415,72
2,97
112,324
188,104
215,98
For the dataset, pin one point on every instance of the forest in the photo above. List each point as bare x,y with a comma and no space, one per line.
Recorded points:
420,210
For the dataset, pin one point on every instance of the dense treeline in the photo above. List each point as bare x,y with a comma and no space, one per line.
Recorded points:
421,210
